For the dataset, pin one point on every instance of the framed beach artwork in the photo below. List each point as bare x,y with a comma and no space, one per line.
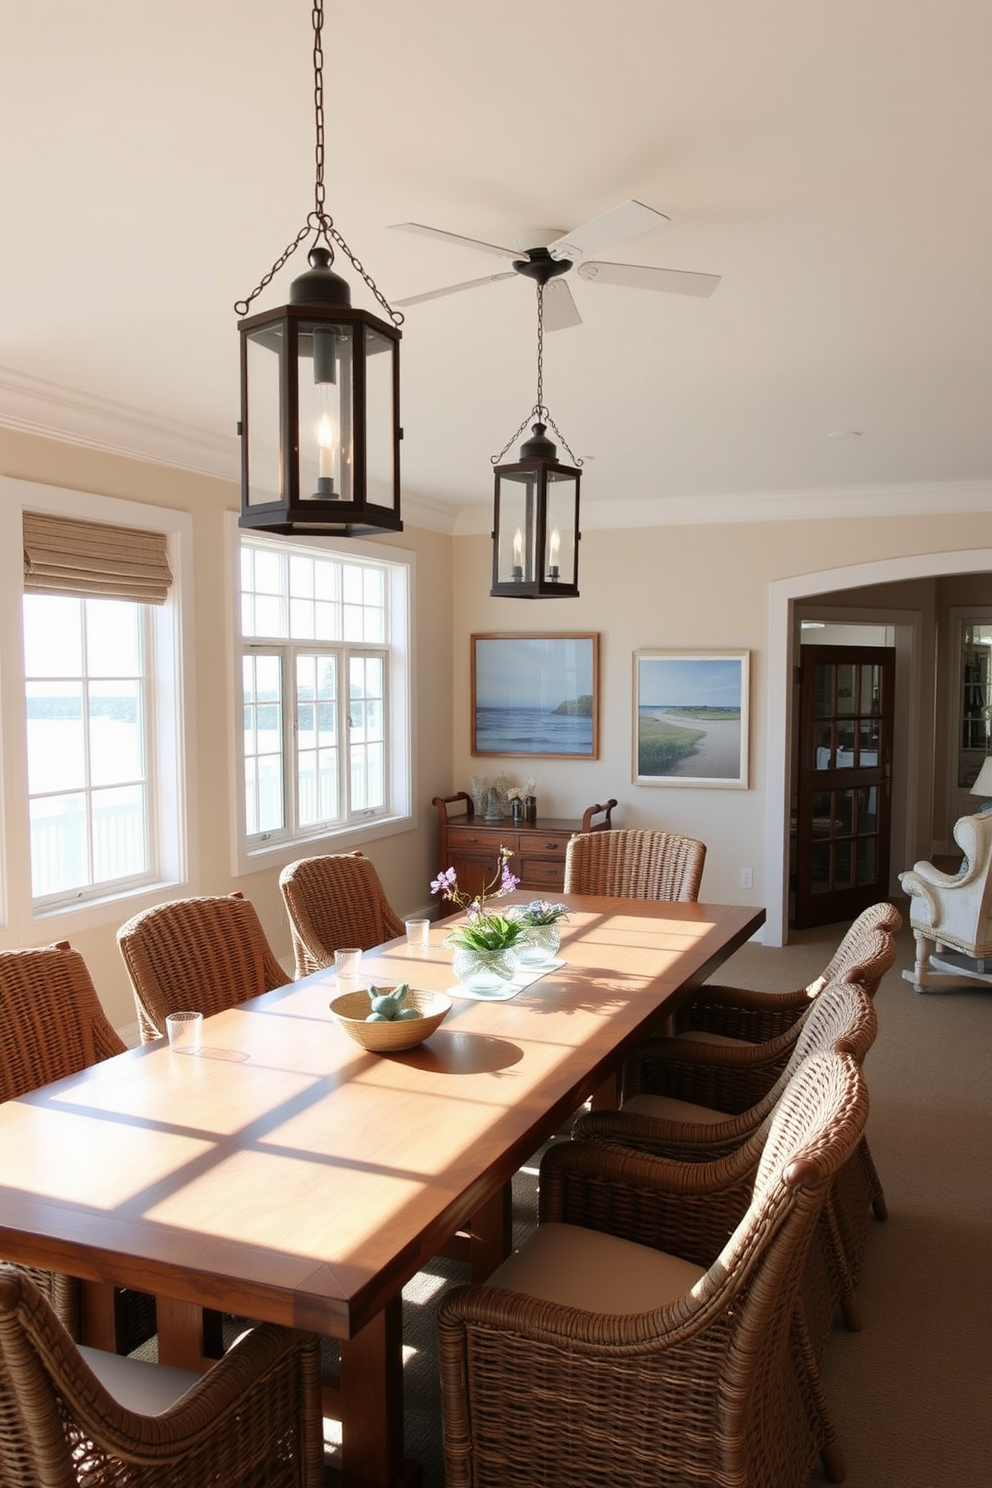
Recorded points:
536,695
690,718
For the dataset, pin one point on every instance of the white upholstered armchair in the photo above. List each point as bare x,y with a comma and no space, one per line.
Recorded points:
951,913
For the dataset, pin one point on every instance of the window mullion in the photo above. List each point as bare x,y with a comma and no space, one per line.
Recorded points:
290,749
87,758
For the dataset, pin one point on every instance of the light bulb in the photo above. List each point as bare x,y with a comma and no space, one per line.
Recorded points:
325,447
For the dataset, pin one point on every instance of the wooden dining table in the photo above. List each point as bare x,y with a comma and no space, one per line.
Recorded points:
284,1174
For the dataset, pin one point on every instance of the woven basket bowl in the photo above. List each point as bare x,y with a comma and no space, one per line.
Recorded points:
350,1009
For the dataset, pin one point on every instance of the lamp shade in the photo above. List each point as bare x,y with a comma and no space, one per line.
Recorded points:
319,413
983,783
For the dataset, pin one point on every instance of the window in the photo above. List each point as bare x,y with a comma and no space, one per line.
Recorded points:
86,696
324,693
96,735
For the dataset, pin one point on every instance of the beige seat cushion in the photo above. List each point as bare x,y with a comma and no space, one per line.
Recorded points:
670,1108
583,1268
703,1036
148,1389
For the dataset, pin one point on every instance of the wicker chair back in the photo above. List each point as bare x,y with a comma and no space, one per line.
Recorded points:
629,863
206,954
333,901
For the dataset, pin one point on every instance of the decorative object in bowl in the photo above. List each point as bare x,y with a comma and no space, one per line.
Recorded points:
351,1010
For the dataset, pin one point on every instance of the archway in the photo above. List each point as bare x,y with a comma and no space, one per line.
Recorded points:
782,597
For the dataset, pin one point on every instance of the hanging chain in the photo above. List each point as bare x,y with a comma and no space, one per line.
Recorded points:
318,221
540,413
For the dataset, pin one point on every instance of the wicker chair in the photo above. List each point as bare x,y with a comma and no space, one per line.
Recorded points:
630,1342
731,1074
51,1026
71,1416
334,901
206,954
739,1013
626,863
842,1019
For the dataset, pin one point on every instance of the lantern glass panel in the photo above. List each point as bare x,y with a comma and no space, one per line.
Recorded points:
265,349
326,411
380,418
517,535
559,555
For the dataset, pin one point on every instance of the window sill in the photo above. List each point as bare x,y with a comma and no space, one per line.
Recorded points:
344,840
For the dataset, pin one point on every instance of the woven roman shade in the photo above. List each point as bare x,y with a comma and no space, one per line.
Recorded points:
93,559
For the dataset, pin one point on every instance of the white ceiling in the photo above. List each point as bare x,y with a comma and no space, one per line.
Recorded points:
829,158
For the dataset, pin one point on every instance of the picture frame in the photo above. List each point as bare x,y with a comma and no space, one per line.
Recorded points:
690,724
535,695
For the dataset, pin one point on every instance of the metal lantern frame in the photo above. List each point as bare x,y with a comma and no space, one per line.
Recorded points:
319,301
535,532
536,576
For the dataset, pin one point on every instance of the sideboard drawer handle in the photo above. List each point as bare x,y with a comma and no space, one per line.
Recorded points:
550,846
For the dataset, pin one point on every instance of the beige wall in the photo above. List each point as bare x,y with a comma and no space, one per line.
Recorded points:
406,861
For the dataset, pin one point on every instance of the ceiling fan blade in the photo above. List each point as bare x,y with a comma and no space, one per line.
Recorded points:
560,310
447,237
640,276
437,294
625,221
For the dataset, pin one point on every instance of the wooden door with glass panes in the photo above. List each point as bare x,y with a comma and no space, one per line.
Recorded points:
844,781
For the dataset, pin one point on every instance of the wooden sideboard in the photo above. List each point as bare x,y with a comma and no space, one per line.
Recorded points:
471,846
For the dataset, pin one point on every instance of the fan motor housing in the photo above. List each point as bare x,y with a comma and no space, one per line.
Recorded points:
540,266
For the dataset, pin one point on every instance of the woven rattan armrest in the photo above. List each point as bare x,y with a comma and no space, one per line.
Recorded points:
685,1208
743,1013
726,1077
679,1141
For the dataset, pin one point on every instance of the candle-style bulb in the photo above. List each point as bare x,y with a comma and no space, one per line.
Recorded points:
554,548
518,555
325,458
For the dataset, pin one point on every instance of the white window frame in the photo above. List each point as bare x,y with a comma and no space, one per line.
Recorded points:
253,855
170,684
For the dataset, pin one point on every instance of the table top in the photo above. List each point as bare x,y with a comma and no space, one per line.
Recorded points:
285,1174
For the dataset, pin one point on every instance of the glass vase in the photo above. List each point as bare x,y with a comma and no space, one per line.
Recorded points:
483,971
538,945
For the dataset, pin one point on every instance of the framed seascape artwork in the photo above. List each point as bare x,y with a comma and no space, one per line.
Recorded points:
690,718
536,695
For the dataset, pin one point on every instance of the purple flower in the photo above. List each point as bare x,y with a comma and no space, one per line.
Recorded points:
444,883
507,883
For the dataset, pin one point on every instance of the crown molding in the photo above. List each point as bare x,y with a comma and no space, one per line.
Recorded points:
845,502
35,406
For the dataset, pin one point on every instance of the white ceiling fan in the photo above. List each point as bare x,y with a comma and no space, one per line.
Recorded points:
547,253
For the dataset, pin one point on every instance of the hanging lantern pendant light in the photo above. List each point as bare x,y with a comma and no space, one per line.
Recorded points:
319,425
536,506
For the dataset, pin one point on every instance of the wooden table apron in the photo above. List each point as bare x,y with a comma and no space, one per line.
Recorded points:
286,1175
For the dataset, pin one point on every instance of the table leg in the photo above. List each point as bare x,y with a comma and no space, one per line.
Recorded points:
99,1320
372,1403
491,1234
606,1097
188,1336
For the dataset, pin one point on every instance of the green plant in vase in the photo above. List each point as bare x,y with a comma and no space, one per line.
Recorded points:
484,946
